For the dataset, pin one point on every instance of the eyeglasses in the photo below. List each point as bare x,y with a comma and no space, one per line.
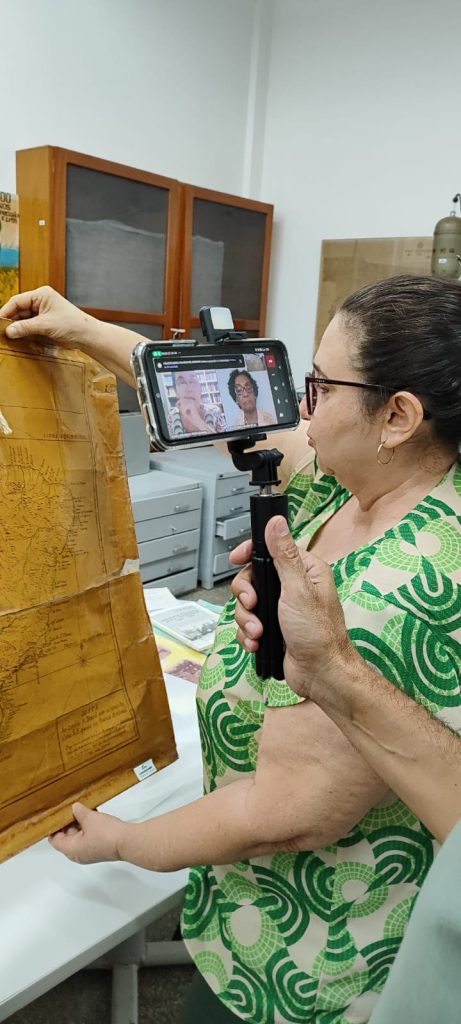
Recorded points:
243,391
312,383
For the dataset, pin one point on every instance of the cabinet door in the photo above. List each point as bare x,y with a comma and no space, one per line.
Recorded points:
225,258
112,233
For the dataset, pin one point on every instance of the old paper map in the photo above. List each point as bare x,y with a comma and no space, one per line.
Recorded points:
82,699
349,263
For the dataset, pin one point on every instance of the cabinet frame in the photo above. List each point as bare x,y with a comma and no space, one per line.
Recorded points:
190,194
42,186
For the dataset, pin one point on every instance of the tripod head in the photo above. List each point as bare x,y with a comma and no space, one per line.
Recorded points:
263,465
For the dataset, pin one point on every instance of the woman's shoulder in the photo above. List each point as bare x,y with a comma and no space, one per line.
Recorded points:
416,565
266,418
445,498
438,515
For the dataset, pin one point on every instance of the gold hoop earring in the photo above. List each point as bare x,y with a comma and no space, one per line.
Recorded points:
388,461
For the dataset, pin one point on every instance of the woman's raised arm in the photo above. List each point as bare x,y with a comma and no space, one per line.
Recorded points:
44,313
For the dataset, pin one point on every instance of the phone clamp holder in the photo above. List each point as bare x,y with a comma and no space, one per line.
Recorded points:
263,465
218,326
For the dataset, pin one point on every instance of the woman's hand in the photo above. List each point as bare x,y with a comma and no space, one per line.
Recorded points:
310,615
250,628
92,837
191,418
45,313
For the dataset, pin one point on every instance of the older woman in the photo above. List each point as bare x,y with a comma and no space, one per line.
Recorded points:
190,415
243,388
313,865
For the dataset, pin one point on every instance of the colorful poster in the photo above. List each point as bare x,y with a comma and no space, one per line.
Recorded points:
9,246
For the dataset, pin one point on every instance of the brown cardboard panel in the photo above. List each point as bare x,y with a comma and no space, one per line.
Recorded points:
82,696
349,263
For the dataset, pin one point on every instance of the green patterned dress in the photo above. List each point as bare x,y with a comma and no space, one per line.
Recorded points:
309,938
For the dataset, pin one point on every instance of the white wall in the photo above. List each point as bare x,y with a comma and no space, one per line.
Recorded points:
158,84
343,113
363,136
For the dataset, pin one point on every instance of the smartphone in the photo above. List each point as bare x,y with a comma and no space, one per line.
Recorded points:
191,395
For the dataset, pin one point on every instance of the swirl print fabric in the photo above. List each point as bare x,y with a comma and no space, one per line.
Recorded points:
309,938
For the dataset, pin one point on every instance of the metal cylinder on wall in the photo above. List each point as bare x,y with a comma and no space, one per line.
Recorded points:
446,250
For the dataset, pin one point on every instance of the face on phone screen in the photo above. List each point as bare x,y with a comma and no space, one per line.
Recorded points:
220,391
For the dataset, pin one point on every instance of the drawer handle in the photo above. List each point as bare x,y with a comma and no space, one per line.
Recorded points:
184,547
181,508
244,529
237,490
236,508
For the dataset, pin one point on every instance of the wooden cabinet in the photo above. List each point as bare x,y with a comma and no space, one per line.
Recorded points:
105,235
139,249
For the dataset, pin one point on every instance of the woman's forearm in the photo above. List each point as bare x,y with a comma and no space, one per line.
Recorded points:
111,346
220,828
416,755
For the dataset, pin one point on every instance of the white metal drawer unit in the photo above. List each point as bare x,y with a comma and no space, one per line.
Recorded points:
226,505
167,513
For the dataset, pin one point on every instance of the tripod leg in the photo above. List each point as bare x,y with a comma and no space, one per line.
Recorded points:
270,654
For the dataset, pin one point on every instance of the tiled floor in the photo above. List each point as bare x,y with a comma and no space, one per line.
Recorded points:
85,998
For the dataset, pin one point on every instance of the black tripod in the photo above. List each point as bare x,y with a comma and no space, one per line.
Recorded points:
263,465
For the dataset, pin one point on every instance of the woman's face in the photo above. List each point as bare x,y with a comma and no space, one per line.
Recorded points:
187,385
344,439
246,398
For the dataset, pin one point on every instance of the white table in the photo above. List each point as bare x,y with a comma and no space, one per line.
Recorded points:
57,917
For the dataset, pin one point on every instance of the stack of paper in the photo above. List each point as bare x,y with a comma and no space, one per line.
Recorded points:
187,621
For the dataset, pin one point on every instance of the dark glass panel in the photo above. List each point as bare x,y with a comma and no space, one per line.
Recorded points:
116,241
227,258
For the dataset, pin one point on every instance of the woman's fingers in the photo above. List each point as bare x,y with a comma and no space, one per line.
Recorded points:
250,628
19,307
249,625
246,641
45,313
242,554
243,589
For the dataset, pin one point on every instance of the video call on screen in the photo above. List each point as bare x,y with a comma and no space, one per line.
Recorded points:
223,392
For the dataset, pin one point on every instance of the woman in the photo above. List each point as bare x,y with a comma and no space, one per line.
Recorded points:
315,865
243,388
189,415
418,756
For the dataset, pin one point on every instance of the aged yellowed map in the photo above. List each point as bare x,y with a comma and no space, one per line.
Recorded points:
82,698
350,263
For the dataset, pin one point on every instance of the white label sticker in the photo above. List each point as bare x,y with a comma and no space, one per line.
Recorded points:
145,769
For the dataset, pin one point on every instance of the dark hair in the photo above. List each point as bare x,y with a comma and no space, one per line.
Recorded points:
408,334
232,379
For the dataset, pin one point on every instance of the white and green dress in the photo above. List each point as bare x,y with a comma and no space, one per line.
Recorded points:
309,938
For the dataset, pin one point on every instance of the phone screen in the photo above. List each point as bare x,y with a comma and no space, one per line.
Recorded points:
220,391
